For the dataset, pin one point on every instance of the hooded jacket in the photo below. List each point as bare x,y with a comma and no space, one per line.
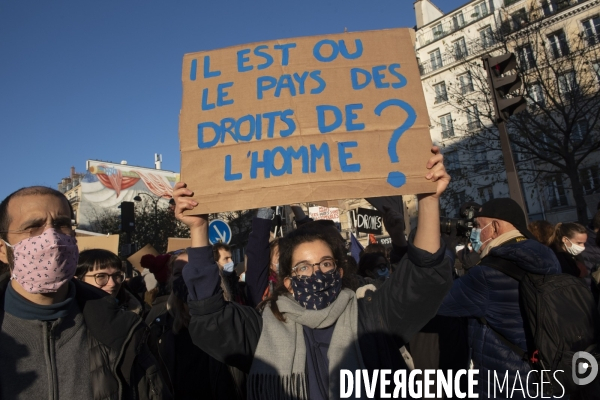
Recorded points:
121,365
488,293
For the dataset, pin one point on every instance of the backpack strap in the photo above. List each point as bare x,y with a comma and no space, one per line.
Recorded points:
504,266
508,268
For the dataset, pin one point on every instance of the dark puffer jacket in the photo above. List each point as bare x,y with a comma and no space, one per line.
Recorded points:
121,365
486,292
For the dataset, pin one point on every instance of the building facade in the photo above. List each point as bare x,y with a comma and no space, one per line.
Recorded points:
450,48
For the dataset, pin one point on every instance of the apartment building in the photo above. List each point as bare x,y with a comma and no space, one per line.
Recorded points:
450,46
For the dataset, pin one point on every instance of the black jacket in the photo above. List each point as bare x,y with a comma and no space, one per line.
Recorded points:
191,373
387,318
121,365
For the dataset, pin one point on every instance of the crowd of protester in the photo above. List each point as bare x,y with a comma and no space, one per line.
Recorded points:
281,324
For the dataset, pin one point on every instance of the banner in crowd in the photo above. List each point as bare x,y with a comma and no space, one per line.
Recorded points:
305,119
106,185
367,221
330,213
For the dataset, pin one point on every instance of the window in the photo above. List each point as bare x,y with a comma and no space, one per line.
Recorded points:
460,49
480,10
596,68
458,21
556,193
558,44
485,193
519,19
591,30
526,58
480,162
567,84
466,83
580,129
436,59
590,179
535,95
553,6
440,93
473,123
451,160
486,36
447,126
438,31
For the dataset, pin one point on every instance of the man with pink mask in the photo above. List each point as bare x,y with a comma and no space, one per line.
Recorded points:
60,337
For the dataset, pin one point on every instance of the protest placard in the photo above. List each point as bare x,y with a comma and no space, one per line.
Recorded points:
136,258
174,244
305,119
110,243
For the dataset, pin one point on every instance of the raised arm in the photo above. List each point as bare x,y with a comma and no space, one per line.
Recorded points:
411,297
226,331
259,256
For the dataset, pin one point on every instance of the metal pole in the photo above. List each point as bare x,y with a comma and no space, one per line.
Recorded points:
514,186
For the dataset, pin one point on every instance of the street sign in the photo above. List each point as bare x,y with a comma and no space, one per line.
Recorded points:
219,231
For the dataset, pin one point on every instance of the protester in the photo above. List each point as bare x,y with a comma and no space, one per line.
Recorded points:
60,337
542,230
568,242
104,269
486,294
191,373
591,254
374,267
327,327
231,281
157,269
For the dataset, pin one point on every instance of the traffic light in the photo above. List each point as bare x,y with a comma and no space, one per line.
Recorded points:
127,216
502,84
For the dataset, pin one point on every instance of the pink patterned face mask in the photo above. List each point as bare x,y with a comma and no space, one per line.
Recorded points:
42,264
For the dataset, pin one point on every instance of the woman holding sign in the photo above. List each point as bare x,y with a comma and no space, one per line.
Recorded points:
313,327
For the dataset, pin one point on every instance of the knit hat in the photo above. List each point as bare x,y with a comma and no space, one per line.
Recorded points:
158,265
507,210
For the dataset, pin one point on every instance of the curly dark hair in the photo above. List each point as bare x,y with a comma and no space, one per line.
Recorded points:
288,244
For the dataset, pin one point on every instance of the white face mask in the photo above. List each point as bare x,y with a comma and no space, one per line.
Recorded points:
575,249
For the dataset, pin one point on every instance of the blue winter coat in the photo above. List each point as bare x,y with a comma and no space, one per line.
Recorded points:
486,292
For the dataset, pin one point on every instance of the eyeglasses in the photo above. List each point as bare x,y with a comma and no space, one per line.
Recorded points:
305,270
102,279
37,228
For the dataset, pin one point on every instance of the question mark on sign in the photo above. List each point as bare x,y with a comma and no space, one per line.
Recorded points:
397,178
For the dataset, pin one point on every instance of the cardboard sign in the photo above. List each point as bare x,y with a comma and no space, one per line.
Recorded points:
367,221
136,258
305,119
174,244
110,243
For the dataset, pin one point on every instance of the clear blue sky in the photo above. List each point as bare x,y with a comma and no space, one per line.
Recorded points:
101,79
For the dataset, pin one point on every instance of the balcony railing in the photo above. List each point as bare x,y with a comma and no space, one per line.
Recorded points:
448,133
451,56
515,23
441,99
473,126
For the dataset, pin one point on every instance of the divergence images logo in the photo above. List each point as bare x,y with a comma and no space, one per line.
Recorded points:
582,362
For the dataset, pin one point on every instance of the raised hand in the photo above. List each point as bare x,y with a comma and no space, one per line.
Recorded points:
198,224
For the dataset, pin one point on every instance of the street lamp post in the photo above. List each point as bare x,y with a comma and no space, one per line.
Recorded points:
155,201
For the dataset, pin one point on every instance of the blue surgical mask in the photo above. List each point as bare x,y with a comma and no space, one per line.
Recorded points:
228,267
383,272
476,238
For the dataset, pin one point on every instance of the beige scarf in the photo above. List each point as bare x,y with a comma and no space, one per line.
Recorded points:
505,237
278,368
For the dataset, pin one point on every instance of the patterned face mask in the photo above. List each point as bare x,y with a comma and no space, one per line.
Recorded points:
318,290
42,264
